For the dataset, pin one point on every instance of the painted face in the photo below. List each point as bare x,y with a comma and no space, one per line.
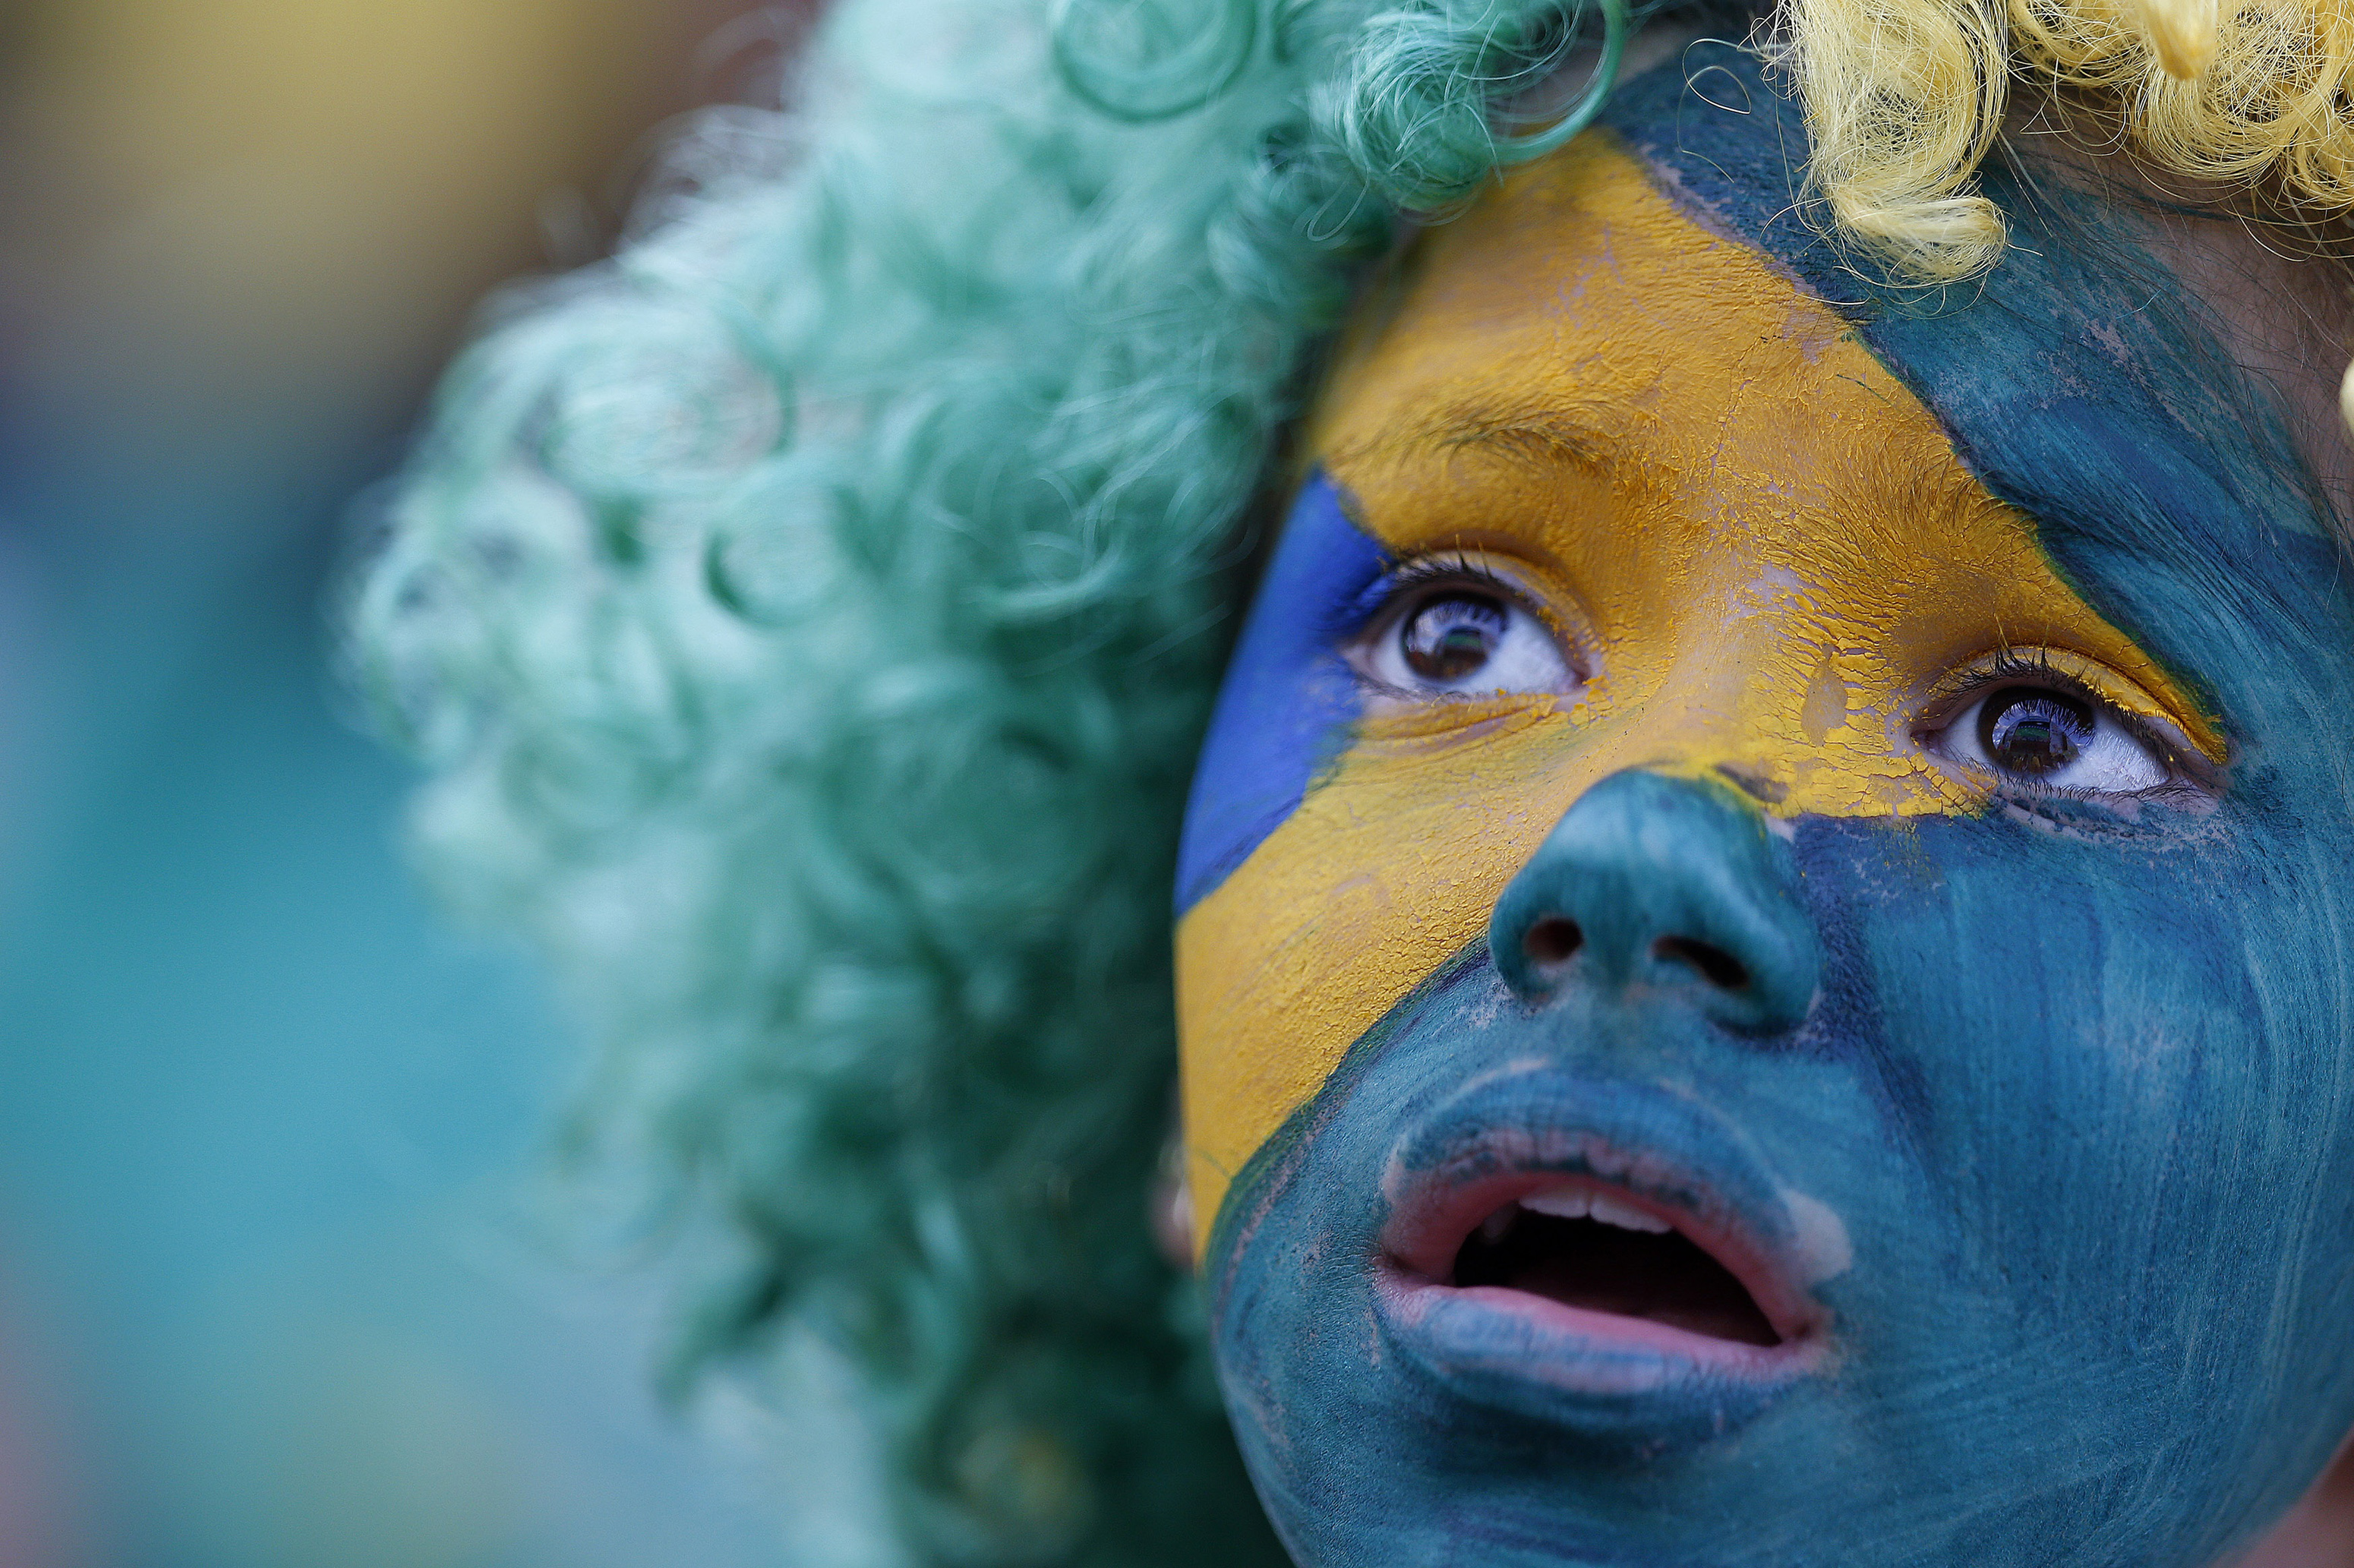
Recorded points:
1760,970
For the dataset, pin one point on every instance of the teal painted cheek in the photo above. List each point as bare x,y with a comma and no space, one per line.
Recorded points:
2071,1089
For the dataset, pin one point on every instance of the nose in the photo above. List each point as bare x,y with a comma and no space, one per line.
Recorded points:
1668,885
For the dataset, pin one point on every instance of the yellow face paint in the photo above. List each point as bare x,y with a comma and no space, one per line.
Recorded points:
1760,543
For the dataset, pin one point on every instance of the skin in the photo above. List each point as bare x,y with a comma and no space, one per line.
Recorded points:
2026,1122
2288,325
2285,316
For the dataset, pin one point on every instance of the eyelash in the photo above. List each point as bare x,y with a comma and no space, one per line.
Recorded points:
2008,668
1383,607
1426,571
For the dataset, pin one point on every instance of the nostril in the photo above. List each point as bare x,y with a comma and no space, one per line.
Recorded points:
1552,940
1720,967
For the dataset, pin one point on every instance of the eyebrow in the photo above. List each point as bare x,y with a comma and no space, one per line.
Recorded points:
1601,436
1591,436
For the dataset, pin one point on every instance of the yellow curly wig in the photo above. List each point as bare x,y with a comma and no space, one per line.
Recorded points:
1903,98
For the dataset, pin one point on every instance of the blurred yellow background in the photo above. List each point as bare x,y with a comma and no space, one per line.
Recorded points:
214,203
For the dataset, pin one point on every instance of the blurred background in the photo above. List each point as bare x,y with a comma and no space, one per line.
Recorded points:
277,1287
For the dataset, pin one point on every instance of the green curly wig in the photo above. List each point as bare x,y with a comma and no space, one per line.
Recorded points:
810,617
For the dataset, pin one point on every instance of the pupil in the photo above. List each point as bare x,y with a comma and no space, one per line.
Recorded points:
2034,732
1451,638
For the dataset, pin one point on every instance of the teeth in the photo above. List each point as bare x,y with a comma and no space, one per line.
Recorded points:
1561,1202
1494,1227
1611,1211
1585,1204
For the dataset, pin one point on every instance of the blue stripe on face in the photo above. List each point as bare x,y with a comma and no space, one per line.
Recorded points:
1289,702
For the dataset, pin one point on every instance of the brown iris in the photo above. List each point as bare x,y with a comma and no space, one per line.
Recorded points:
1453,636
2033,731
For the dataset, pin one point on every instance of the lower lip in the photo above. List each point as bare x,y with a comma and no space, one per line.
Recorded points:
1491,1328
1642,1386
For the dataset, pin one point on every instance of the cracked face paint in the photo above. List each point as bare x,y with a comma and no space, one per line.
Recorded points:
1894,874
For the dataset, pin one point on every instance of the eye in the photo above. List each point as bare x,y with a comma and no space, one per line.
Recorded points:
1468,640
2056,739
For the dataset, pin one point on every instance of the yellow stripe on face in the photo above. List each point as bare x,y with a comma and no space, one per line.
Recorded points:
1762,541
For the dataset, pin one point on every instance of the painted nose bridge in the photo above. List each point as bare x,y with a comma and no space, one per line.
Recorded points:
1667,885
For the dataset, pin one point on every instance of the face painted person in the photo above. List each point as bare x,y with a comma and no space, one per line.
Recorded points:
1762,925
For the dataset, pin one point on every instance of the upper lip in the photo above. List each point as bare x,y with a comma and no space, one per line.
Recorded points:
1521,1133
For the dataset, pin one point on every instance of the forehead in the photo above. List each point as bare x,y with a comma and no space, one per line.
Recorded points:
1575,349
2075,380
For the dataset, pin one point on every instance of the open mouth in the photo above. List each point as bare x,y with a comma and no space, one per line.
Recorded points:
1557,1272
1644,1284
1586,1247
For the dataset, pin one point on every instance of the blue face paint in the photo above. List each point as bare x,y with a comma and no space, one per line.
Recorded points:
2047,1191
1289,699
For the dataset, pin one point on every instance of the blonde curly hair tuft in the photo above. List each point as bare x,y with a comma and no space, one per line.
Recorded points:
1905,98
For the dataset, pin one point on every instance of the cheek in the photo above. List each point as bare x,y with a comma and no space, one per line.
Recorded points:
2122,1061
1378,879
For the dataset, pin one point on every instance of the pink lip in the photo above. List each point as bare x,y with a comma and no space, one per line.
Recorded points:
1575,1348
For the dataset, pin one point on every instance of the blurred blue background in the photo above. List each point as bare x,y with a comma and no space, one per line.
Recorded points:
281,1282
